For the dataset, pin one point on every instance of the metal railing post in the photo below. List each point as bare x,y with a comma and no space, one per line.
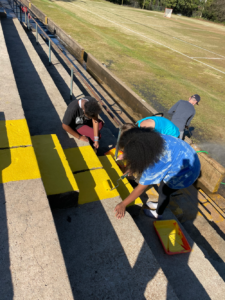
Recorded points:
28,22
36,33
71,84
20,14
49,43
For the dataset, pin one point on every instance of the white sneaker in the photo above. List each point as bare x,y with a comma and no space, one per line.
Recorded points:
152,205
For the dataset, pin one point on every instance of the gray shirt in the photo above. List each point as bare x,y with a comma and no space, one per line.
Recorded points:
183,112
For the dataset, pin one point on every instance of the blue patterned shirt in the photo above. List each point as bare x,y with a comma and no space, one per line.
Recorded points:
178,167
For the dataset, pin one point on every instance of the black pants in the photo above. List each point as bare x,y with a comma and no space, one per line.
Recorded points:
164,197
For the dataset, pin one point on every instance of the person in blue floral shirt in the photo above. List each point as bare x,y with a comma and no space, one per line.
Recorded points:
160,159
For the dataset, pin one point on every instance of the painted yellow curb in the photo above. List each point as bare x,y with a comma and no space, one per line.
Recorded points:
91,186
18,164
14,133
55,171
82,158
114,172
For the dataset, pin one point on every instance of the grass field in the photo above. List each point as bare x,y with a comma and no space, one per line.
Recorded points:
162,60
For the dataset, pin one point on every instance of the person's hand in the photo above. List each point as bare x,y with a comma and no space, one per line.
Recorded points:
96,144
120,210
120,157
84,138
128,172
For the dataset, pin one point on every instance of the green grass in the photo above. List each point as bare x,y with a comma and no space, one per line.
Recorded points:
158,74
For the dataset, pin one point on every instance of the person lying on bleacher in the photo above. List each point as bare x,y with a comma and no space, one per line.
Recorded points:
81,120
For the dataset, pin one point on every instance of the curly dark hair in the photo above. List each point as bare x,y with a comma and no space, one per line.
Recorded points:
92,108
142,148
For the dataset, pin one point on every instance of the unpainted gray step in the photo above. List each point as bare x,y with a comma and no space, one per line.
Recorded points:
191,275
31,261
11,107
108,258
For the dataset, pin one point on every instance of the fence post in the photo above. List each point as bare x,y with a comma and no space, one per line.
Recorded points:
71,85
28,22
49,42
36,33
20,14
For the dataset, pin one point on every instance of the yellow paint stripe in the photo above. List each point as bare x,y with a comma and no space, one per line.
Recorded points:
14,133
115,173
55,171
82,158
18,164
93,186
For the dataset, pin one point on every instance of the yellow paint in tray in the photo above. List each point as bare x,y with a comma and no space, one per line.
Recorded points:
171,237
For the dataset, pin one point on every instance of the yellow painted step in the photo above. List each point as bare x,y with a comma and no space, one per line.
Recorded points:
114,172
55,171
18,164
82,158
91,186
14,133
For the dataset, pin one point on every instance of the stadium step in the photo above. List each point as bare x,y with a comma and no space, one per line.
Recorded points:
42,103
60,185
32,265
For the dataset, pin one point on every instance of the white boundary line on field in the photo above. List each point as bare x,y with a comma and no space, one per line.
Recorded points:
148,38
179,39
208,57
198,46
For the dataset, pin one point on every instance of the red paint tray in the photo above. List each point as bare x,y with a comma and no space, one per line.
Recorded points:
171,237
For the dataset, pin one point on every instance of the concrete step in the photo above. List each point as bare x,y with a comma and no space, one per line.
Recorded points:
208,233
11,108
32,265
60,185
191,275
43,105
108,258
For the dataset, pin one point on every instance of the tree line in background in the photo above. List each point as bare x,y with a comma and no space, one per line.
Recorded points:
213,10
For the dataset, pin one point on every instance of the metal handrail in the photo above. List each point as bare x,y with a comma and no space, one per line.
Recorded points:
73,69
